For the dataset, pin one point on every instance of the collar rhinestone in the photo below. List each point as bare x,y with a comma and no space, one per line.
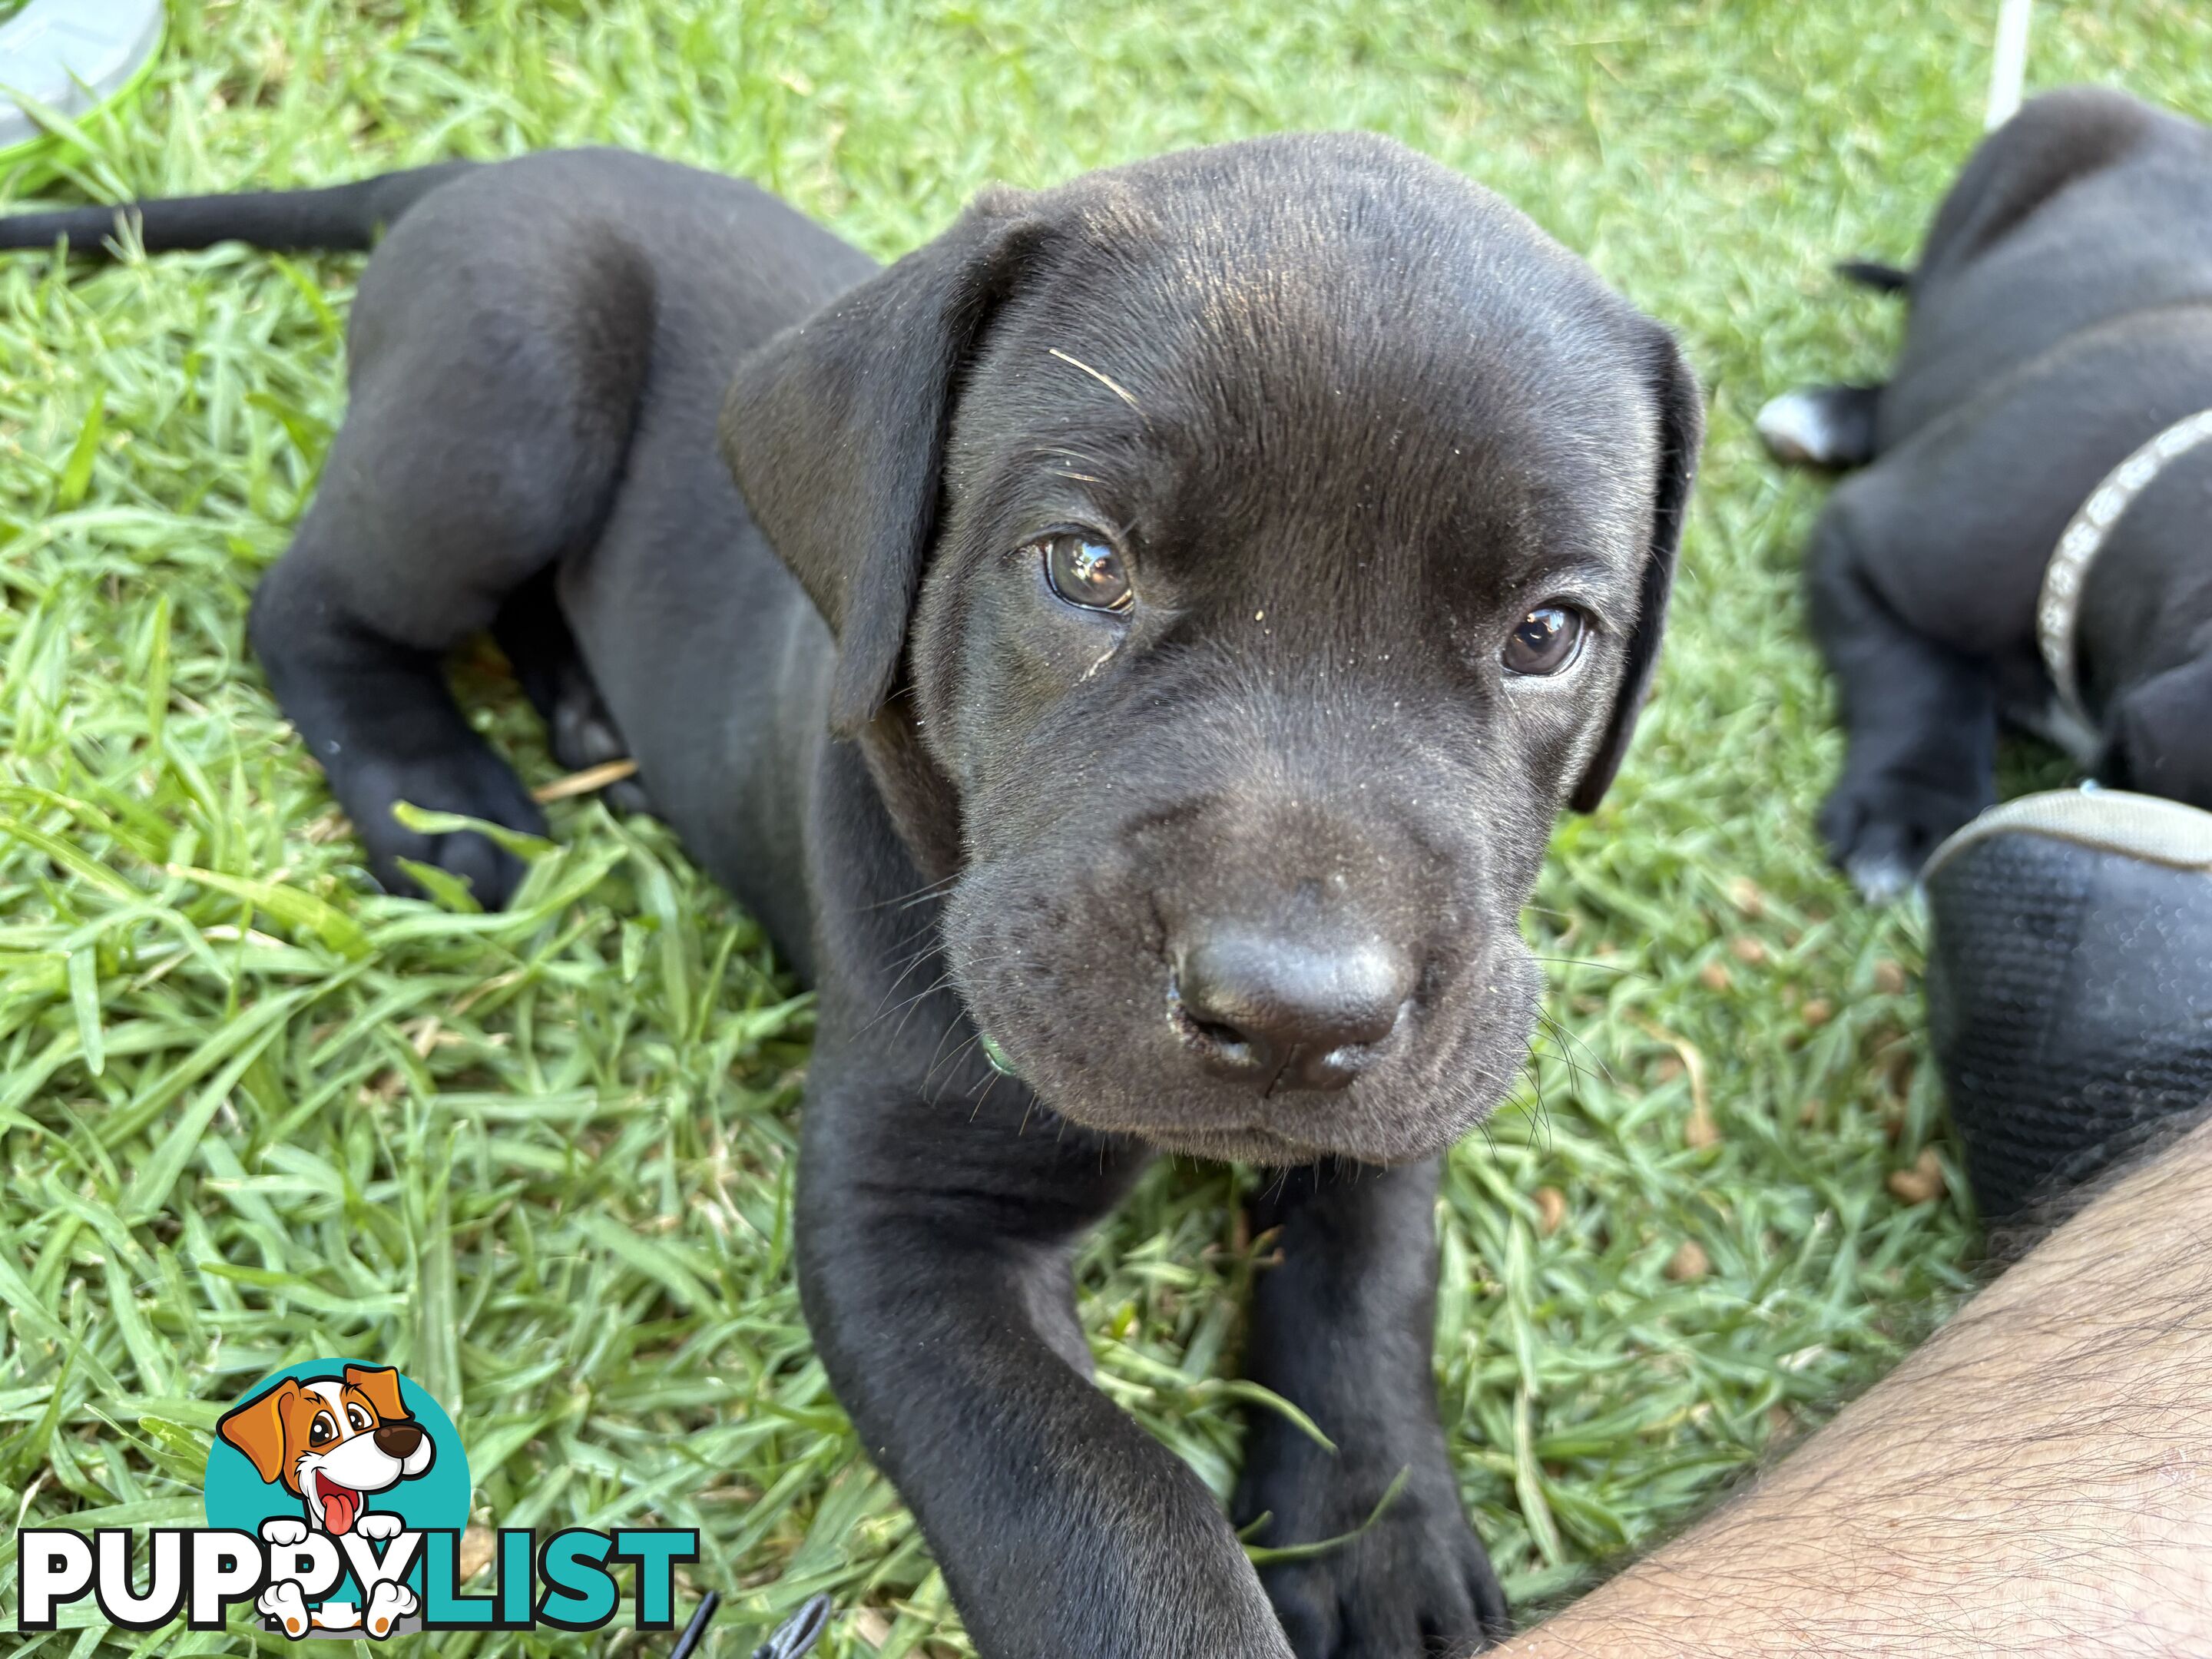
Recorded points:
2059,609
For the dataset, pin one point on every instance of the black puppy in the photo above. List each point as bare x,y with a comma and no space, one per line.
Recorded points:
1163,616
2061,318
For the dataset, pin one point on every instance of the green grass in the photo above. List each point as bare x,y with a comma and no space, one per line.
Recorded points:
254,1112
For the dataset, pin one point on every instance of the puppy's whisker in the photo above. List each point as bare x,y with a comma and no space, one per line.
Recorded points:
927,890
1539,1111
926,936
1551,1033
1564,1036
920,950
1106,380
887,1008
1581,962
983,1094
906,967
938,1054
1543,1100
905,1005
951,1063
1488,1139
917,1000
1553,1027
907,964
1070,464
1542,1110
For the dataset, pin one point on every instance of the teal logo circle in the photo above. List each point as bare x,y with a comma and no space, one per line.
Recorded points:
337,1453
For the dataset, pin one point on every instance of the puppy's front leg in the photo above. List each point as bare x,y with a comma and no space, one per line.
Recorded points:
934,1245
1343,1327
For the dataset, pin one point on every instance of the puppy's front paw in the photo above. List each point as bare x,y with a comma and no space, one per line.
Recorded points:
282,1530
379,1524
1415,1584
1880,830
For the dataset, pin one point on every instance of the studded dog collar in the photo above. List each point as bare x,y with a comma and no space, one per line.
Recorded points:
2058,610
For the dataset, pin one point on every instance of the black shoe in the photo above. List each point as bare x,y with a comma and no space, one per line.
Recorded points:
2069,984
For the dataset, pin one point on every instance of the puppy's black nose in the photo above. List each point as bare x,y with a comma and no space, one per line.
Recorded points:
398,1439
1277,1012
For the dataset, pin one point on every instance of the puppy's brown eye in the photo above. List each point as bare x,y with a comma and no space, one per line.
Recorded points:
1548,640
1085,571
320,1430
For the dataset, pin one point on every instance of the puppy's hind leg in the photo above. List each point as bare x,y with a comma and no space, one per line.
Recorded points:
1921,721
550,669
495,382
1825,426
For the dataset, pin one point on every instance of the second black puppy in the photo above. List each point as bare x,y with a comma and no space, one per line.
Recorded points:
1163,618
2006,552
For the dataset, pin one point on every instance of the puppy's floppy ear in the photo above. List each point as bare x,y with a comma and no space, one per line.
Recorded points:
2158,735
836,428
257,1428
381,1385
1682,413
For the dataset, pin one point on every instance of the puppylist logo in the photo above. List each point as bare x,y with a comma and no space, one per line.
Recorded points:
337,1493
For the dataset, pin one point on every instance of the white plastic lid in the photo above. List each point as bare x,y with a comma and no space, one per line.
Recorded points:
71,56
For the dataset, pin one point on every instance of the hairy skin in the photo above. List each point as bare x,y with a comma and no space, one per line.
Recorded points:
2036,1479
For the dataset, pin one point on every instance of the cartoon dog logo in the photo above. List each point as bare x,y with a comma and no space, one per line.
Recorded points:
333,1443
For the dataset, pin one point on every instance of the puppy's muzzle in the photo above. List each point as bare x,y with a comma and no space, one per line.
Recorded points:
1272,1011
